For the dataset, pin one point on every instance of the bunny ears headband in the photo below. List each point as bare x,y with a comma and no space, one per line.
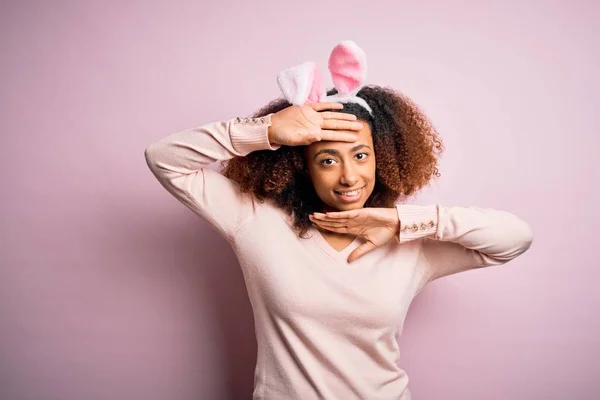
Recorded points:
348,67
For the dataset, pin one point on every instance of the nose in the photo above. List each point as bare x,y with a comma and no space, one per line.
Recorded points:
349,176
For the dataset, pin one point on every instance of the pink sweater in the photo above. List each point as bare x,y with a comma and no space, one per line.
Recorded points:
326,329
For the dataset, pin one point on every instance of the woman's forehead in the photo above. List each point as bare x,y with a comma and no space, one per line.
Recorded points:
364,138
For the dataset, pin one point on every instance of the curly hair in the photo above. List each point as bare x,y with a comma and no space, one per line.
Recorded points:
407,148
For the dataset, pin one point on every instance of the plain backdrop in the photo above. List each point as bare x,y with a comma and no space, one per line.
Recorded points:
111,289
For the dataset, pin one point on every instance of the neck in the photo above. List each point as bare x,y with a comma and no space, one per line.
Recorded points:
324,209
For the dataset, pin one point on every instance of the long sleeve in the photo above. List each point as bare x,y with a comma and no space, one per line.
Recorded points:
457,239
179,163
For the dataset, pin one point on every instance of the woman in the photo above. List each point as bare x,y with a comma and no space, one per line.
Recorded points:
309,201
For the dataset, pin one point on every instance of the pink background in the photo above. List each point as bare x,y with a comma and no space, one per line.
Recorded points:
110,289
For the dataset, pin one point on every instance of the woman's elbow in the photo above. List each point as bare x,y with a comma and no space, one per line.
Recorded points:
515,240
520,239
526,237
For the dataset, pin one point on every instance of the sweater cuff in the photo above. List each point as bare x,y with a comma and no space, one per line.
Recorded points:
417,221
251,134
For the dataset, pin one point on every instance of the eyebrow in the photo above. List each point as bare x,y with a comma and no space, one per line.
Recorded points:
337,153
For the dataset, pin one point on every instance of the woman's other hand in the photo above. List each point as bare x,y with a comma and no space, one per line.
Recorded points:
376,225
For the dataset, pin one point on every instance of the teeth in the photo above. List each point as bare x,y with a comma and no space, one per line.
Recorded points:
353,193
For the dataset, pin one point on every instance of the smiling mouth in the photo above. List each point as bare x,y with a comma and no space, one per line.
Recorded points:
349,195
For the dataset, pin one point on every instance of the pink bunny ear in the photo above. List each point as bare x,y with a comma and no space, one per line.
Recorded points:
348,67
301,84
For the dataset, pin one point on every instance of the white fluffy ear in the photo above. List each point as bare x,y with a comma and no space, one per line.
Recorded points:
301,84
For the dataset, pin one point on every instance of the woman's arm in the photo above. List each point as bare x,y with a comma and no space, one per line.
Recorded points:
457,239
179,163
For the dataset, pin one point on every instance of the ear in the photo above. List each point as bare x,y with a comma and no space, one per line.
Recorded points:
348,67
301,84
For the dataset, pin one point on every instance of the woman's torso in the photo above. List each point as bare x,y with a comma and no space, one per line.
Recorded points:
325,328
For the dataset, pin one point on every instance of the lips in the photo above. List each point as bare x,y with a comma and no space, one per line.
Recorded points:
349,196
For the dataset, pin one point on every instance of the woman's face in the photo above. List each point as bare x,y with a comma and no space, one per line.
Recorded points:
343,173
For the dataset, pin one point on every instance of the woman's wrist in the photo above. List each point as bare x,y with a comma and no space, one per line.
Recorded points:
391,220
271,130
394,220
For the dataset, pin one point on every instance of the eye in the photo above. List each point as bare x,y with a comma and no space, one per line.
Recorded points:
325,161
365,155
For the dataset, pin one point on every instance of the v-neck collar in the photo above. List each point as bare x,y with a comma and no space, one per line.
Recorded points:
339,256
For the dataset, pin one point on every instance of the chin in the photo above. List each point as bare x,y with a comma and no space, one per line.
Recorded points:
345,206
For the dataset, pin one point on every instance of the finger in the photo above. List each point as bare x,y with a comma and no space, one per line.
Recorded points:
327,106
361,251
337,222
330,224
323,218
338,136
338,115
336,124
337,214
311,138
